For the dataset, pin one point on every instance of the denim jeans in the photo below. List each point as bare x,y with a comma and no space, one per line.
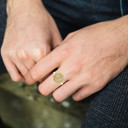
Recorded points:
109,107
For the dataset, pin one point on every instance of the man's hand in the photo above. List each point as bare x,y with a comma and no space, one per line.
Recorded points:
31,33
89,58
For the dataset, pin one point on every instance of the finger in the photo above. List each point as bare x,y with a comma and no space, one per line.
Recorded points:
49,85
26,59
29,63
96,81
45,77
12,70
66,90
21,67
83,93
45,66
49,73
37,54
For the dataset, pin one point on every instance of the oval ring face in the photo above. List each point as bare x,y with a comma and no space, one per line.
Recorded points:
58,77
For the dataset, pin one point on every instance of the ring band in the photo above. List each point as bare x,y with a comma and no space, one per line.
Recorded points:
58,78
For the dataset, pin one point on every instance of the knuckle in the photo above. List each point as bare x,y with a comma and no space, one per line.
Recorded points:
88,76
66,51
98,85
38,52
76,67
3,53
41,50
73,70
95,87
12,53
22,54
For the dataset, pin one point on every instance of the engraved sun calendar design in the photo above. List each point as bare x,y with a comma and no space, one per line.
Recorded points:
58,77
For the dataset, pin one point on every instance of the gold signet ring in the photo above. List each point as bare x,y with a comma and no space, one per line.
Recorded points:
58,78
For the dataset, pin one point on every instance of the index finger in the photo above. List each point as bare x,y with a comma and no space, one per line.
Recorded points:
45,65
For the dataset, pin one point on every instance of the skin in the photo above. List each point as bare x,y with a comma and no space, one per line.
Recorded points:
88,58
31,34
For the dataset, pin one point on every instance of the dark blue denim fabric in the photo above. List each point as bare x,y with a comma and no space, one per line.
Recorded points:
109,107
2,29
124,7
71,15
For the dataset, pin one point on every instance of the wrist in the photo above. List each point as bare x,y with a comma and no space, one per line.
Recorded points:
20,6
124,23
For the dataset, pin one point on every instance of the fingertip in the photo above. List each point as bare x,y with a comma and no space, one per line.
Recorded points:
12,70
43,91
29,83
76,98
57,98
34,75
16,78
29,78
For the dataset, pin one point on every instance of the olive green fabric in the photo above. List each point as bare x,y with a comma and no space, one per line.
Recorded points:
22,106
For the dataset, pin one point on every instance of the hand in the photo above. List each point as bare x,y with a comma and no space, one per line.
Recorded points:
31,33
88,58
